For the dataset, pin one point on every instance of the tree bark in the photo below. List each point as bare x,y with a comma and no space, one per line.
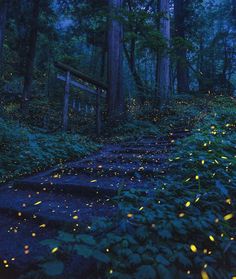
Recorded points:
200,66
234,8
3,17
115,63
137,79
28,78
164,59
182,66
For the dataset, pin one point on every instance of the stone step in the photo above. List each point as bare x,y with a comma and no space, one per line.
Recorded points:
53,209
113,169
141,150
147,144
175,134
36,207
82,184
19,248
124,158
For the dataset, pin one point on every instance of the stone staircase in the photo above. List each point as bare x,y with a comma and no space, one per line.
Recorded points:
72,195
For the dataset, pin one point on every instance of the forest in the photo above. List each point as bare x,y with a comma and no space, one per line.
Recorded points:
118,139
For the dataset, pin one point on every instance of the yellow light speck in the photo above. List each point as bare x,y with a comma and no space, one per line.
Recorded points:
187,204
42,226
54,250
37,203
193,248
204,275
228,201
211,238
228,216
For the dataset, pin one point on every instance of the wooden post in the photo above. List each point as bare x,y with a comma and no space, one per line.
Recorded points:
98,113
66,102
79,107
73,104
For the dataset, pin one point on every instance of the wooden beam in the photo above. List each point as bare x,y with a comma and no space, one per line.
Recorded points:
80,86
66,102
98,113
80,75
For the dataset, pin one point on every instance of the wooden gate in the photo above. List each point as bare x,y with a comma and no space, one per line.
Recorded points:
84,83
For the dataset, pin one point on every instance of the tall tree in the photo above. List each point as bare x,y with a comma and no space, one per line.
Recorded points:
28,78
3,16
180,11
164,58
234,9
115,62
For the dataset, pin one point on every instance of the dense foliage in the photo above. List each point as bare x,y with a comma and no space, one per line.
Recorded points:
164,66
24,151
185,228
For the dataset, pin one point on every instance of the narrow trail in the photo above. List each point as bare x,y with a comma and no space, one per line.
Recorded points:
72,195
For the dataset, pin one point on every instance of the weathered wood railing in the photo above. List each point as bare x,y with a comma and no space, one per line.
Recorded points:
92,87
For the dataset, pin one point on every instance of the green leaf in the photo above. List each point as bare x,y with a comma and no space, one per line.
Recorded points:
66,237
134,259
53,268
146,272
83,250
164,272
160,259
51,243
87,239
184,260
101,256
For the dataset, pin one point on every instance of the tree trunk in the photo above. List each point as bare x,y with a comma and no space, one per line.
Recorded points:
115,63
234,8
137,79
164,59
3,16
200,66
32,50
182,66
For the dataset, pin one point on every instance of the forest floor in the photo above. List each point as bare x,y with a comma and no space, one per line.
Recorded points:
141,208
73,195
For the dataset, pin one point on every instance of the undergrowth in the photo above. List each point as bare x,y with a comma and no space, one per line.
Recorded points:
183,229
24,151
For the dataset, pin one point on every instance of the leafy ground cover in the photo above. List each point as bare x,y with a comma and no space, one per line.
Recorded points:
186,227
28,147
24,151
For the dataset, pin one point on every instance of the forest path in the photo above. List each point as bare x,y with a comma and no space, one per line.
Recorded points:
72,195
